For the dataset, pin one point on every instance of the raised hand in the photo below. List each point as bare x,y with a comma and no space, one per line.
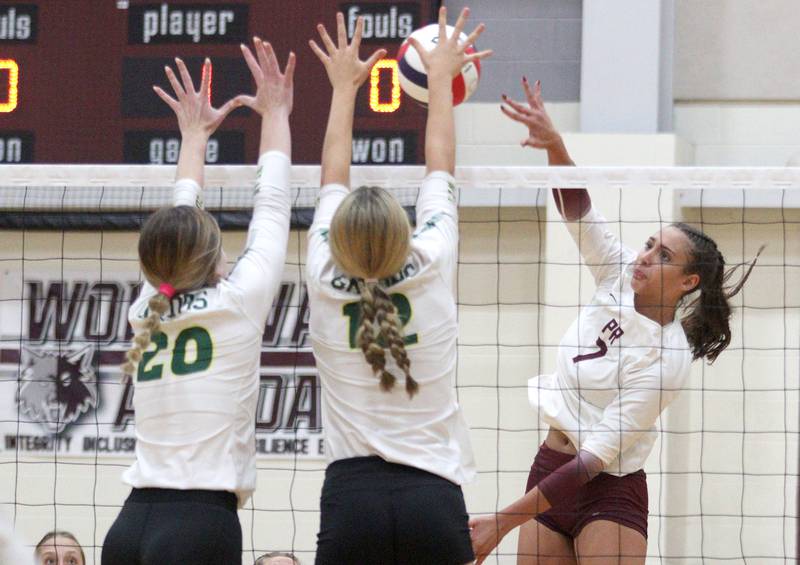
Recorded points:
344,68
274,90
541,132
196,116
449,55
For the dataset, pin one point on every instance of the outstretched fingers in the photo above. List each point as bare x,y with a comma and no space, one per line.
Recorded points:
516,116
205,80
326,39
479,55
173,80
188,85
533,95
442,24
171,102
472,37
375,57
252,64
356,43
267,58
340,31
460,23
230,106
520,108
288,71
321,55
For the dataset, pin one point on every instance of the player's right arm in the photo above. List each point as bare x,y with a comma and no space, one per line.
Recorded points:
442,63
346,73
602,251
197,121
258,272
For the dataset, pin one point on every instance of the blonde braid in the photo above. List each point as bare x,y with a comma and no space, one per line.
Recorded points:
390,331
157,305
366,337
378,312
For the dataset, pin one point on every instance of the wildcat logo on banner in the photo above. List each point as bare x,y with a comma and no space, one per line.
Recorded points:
60,387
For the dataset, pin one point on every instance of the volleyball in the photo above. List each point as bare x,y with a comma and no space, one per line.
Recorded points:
414,77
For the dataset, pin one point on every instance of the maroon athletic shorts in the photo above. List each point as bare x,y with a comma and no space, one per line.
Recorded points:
622,500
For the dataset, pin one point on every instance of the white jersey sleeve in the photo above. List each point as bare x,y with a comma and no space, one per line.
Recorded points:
187,193
437,223
330,197
258,271
644,393
602,251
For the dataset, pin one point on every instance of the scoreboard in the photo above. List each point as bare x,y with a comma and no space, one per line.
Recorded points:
76,77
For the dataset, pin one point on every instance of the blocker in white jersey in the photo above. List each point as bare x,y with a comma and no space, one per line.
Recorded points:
196,355
427,431
197,389
384,330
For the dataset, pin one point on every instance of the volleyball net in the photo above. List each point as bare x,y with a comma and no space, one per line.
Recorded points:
723,474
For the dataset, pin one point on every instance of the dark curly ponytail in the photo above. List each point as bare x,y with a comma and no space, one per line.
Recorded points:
707,325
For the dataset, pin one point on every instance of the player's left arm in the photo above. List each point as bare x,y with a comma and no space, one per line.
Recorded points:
346,73
258,272
197,120
644,393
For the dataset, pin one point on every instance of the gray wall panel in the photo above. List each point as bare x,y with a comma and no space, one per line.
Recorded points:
537,38
737,50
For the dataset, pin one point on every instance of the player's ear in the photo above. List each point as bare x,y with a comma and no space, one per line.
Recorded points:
690,282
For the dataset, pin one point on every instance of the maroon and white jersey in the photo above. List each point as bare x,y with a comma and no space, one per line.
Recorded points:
616,369
197,384
427,431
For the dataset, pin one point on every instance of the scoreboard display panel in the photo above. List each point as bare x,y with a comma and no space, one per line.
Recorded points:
76,77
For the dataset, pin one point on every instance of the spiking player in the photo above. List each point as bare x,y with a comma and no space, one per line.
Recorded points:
196,355
382,311
621,362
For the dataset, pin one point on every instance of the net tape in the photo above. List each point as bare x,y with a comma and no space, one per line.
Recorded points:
118,187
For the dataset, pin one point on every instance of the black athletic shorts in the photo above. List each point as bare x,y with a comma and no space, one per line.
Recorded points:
379,513
175,527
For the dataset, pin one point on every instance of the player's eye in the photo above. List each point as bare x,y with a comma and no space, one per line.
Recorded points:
665,256
648,245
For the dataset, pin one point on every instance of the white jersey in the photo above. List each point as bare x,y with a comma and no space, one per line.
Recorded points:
427,431
197,384
616,369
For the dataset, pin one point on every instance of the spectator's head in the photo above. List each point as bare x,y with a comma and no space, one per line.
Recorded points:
277,558
59,548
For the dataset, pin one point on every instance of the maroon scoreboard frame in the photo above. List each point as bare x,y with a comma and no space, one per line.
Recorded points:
76,77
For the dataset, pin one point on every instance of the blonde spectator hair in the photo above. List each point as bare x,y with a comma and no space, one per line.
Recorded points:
181,247
370,239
